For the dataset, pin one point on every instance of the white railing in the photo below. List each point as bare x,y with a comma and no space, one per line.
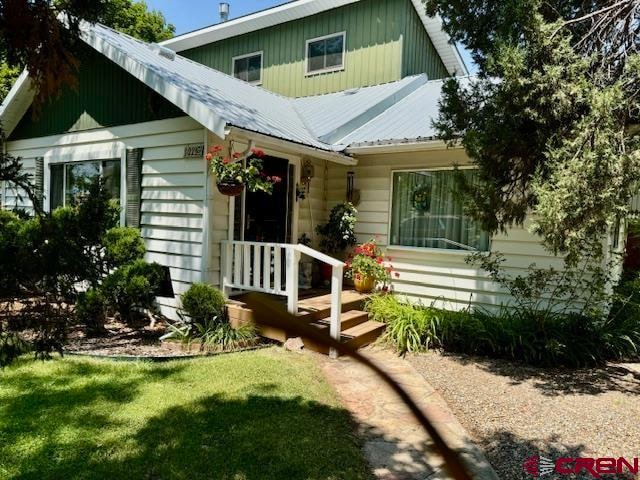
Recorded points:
273,268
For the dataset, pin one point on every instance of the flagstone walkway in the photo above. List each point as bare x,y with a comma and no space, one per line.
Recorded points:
396,445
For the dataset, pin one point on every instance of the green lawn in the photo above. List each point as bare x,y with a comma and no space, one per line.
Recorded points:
266,414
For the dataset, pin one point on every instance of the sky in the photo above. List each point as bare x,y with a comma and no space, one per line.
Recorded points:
188,15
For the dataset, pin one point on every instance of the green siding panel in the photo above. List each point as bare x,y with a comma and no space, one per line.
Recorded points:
375,31
418,53
106,96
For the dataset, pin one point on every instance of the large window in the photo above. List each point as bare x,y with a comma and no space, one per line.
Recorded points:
326,54
248,68
427,211
70,182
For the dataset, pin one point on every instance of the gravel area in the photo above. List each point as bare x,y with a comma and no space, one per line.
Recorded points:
515,411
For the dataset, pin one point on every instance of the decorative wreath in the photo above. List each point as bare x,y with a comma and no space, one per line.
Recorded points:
421,198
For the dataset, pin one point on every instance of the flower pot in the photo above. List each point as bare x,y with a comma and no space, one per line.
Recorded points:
363,283
230,189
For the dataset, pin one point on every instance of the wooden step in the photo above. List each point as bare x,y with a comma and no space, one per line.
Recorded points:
358,336
348,320
316,308
363,334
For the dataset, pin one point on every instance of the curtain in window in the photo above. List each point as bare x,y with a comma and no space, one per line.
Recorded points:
427,211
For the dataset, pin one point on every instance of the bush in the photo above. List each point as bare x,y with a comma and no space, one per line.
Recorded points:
339,231
132,289
122,245
203,303
530,336
91,310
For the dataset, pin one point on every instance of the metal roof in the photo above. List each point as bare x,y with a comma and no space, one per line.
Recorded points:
332,116
391,113
410,119
211,97
297,9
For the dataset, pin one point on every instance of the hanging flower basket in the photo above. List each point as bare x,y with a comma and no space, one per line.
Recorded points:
236,172
230,189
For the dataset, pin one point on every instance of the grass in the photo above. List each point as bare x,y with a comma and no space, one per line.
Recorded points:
265,414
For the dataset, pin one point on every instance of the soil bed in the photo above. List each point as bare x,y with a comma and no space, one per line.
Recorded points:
515,411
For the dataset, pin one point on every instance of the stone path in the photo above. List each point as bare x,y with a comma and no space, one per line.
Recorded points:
396,445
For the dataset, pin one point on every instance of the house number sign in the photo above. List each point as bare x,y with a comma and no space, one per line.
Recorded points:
194,150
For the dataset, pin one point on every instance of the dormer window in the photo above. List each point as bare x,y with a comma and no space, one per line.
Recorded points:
326,54
248,68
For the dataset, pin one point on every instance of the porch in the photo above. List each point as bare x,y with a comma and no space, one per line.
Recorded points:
274,269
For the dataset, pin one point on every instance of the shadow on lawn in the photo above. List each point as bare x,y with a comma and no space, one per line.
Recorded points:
214,437
561,381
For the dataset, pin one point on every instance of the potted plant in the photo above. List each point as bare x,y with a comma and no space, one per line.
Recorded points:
367,267
338,233
234,173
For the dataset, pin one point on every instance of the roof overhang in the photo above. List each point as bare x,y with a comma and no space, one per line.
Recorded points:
294,148
298,9
399,147
16,104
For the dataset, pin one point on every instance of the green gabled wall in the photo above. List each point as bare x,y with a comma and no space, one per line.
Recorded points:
418,53
375,32
106,96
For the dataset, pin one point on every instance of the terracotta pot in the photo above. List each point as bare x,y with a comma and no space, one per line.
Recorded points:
363,283
230,189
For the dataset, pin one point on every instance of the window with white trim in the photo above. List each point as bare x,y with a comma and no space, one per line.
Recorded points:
248,68
427,211
70,182
326,54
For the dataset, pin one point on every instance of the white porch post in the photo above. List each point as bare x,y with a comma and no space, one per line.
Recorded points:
292,259
227,267
336,306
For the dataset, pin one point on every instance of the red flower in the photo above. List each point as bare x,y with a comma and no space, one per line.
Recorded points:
379,260
276,179
209,157
397,275
226,161
237,155
257,152
215,149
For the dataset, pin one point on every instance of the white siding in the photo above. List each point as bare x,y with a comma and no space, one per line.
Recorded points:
312,211
429,275
14,197
173,188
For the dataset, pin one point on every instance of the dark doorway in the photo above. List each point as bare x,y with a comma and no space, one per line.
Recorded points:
268,217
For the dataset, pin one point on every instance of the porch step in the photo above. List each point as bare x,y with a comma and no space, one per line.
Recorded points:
348,320
363,334
359,331
317,308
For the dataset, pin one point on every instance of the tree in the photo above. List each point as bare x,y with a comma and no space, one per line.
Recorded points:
550,120
127,16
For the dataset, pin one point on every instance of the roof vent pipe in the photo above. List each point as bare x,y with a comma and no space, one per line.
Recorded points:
224,12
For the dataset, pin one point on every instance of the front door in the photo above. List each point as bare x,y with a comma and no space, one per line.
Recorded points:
267,218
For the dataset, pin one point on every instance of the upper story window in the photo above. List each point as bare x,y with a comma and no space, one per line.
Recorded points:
248,68
428,212
326,54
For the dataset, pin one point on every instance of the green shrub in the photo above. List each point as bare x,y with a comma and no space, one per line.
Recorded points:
131,289
203,303
339,231
222,336
122,245
91,310
528,335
